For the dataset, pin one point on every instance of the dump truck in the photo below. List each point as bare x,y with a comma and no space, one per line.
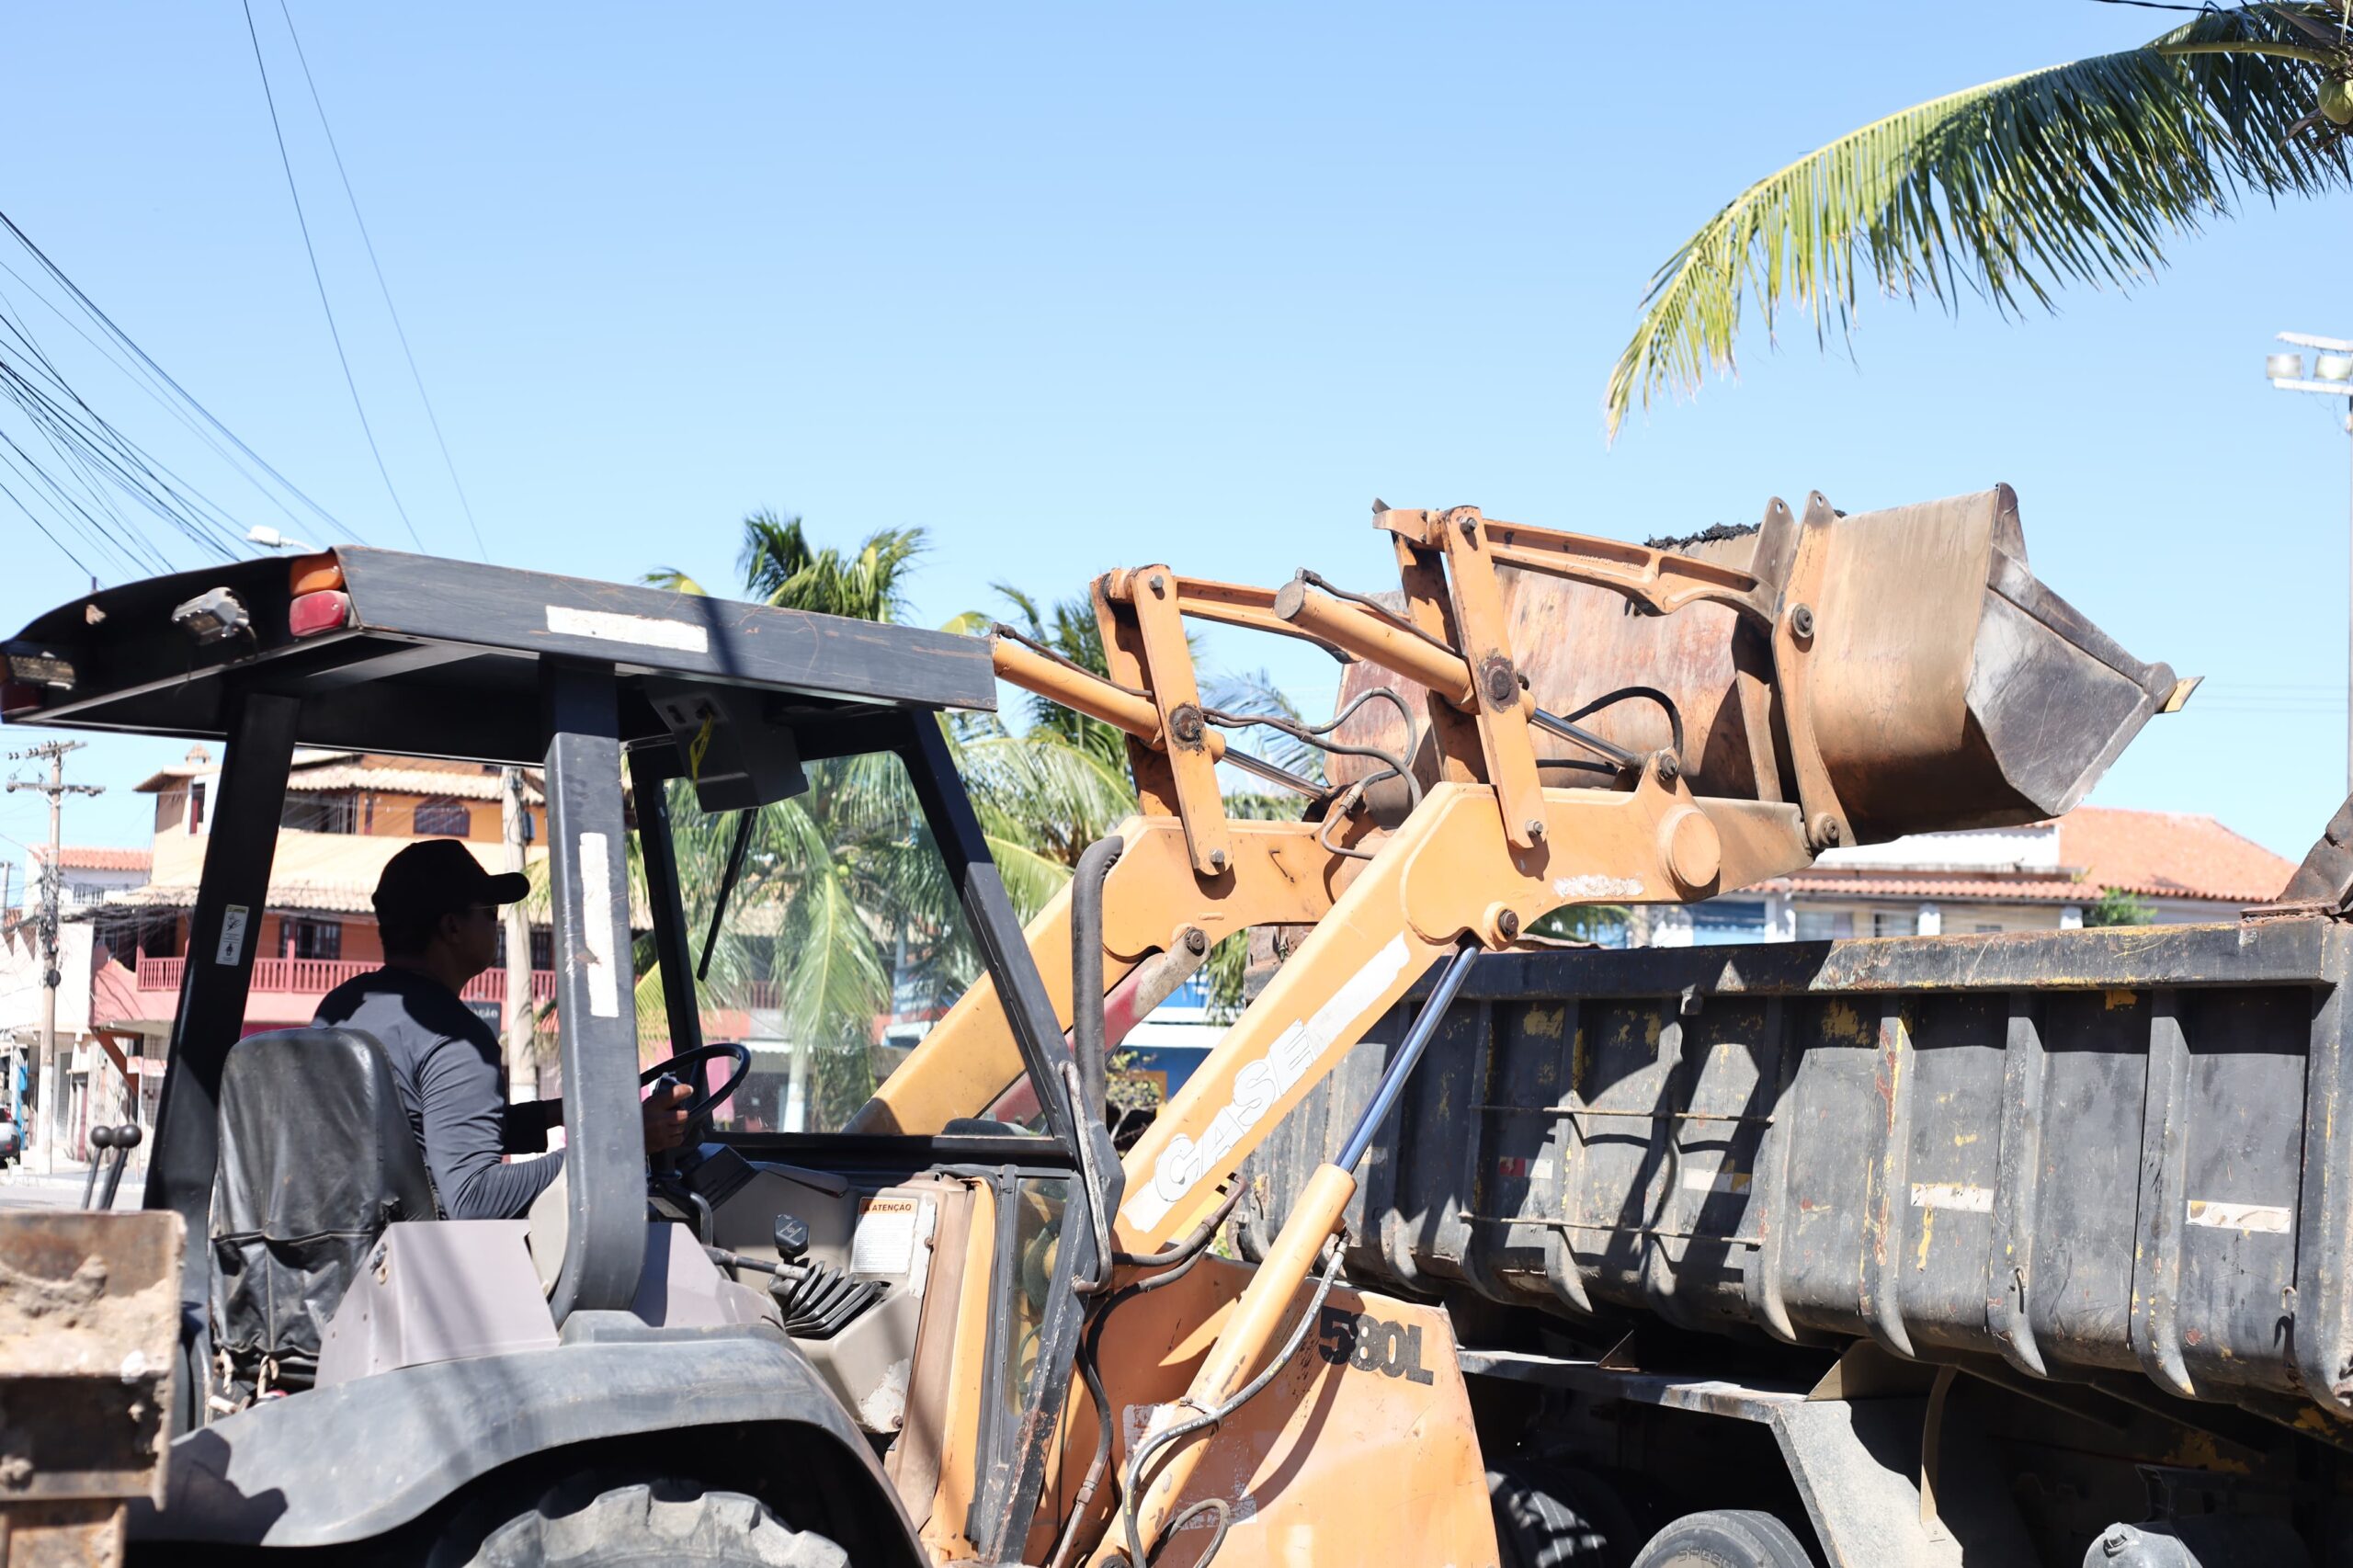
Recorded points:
964,1326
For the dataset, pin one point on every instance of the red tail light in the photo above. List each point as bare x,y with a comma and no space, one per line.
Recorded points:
326,610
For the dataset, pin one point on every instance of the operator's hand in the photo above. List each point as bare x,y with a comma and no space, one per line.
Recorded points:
666,1117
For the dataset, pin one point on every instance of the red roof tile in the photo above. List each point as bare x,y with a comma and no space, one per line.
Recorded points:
2169,855
76,858
2151,854
1955,885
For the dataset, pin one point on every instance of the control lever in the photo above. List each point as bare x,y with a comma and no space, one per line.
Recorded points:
126,1138
818,1300
791,1237
101,1140
121,1140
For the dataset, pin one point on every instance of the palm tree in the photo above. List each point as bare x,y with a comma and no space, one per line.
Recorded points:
844,897
2072,173
781,567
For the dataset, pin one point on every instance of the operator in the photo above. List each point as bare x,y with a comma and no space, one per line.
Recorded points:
438,912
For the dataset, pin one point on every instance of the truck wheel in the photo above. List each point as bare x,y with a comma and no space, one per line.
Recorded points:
1726,1538
651,1525
1553,1516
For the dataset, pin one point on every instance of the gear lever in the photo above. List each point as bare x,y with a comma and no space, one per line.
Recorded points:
101,1140
126,1139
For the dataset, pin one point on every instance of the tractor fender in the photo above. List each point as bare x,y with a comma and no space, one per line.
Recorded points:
348,1463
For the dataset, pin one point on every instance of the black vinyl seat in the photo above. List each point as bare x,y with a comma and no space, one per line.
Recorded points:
317,1156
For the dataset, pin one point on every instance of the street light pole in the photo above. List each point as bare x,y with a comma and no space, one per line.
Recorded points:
2332,377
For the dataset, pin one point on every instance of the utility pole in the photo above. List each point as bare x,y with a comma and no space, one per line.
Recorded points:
2332,376
50,1076
522,1059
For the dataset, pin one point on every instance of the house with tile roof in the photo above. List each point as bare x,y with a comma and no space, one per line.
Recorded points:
2175,867
123,942
345,814
89,874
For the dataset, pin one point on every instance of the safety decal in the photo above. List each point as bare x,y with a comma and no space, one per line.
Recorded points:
645,630
1259,1085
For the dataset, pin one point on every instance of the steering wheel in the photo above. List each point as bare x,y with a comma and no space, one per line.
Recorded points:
699,1110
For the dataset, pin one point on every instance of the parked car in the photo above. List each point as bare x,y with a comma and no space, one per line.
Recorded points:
12,1141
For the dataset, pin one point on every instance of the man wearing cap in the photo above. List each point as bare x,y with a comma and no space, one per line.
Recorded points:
437,911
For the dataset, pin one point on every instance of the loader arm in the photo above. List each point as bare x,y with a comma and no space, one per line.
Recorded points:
1280,875
1448,872
1896,673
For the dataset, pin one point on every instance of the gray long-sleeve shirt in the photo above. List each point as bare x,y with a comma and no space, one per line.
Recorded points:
445,1062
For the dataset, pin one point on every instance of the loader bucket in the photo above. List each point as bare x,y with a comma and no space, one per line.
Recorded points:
1948,688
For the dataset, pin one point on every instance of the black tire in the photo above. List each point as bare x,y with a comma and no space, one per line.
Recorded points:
1726,1537
1558,1517
650,1525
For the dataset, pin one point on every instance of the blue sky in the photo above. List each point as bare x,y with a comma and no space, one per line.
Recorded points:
1085,286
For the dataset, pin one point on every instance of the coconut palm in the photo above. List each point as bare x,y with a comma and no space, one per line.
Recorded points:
2072,173
844,897
781,567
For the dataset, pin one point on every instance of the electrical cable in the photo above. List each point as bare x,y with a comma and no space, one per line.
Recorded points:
91,307
34,518
145,382
318,278
398,330
101,442
160,473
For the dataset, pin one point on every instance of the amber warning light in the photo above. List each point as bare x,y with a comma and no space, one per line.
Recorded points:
320,604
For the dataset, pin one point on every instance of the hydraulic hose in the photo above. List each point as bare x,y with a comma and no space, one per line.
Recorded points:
1087,970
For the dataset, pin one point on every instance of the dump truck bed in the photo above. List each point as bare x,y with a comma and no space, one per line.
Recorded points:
2085,1152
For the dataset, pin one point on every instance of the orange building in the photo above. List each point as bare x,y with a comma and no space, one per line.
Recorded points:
345,814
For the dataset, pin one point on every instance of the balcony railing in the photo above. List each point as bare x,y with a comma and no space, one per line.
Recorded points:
316,977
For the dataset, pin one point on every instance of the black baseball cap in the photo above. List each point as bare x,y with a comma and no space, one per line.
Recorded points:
438,877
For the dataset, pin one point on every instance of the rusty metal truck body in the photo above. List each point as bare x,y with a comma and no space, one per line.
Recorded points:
2102,1172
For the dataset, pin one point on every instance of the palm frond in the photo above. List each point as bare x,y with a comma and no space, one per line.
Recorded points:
1044,790
968,623
678,582
835,985
1032,878
2072,173
1254,691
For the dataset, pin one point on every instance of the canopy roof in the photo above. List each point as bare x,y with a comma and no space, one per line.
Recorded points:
440,658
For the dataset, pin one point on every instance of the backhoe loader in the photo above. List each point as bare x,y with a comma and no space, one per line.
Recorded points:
965,1328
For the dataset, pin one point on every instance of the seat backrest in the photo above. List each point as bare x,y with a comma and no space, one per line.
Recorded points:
317,1156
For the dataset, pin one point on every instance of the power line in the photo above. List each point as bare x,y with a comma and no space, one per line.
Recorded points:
90,306
316,277
400,331
146,382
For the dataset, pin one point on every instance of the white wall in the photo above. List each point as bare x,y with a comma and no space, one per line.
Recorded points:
20,969
2033,847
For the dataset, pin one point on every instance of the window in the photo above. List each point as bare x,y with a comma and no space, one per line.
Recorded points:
313,939
442,817
542,947
1718,922
1985,928
1825,926
196,808
1894,923
331,813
